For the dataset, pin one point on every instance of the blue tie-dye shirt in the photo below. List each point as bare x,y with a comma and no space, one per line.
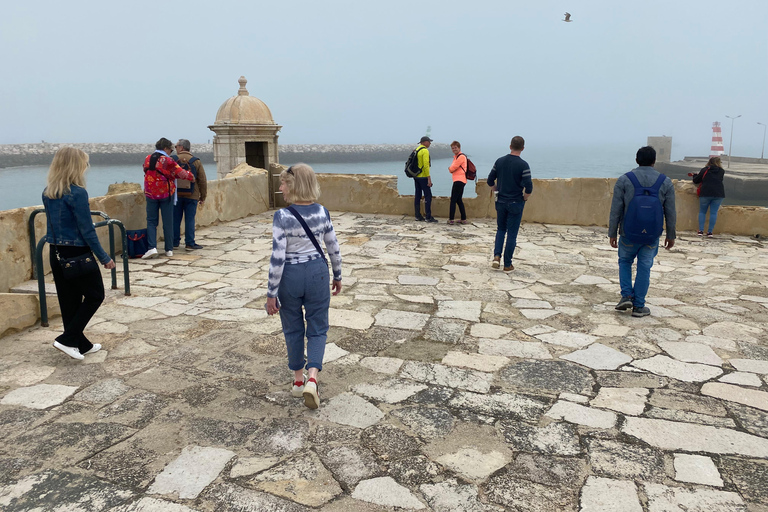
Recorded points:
291,245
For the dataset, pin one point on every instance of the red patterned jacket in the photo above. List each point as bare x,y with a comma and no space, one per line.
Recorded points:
161,184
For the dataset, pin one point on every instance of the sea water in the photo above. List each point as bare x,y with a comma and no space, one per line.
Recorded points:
23,186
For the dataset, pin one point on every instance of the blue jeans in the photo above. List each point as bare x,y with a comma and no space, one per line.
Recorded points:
628,251
508,217
165,208
422,186
187,208
713,203
305,284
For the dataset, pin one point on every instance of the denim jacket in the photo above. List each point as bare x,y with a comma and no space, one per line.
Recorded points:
70,218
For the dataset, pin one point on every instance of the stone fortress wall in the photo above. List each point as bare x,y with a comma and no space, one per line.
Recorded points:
575,201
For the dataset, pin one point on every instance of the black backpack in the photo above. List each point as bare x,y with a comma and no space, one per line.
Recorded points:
185,186
412,164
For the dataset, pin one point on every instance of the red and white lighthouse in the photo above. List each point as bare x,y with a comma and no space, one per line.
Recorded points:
717,140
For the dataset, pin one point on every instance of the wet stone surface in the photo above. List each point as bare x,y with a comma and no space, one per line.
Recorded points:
447,385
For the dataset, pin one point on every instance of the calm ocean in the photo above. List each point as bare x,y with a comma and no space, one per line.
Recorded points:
23,186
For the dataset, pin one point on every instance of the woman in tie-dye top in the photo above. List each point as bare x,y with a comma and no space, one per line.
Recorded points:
298,277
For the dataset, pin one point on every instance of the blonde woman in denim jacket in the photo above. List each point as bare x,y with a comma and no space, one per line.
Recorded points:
71,233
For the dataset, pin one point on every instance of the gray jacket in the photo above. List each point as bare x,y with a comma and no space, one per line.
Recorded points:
624,191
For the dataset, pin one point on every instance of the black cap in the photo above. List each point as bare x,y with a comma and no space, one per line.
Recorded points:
425,139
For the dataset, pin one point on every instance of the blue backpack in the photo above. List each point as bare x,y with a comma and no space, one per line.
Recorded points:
644,219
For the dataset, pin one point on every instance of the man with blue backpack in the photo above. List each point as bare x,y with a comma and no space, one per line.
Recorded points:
190,196
642,200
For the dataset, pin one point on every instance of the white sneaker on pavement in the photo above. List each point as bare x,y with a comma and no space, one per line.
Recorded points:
311,398
72,352
297,390
169,253
152,253
95,348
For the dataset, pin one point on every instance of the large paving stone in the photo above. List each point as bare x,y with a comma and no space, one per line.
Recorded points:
557,438
473,464
445,331
135,409
586,416
696,469
500,405
415,470
615,459
670,435
749,476
25,374
349,319
390,391
468,310
752,420
147,504
568,339
302,479
386,365
608,495
621,379
549,470
738,394
514,348
670,399
686,372
479,362
440,375
550,377
526,496
61,491
103,392
191,472
386,492
349,464
40,396
390,442
742,379
426,422
691,352
401,319
662,498
689,417
349,409
624,400
598,357
450,496
231,498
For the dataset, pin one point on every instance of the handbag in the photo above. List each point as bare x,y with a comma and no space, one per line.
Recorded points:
78,266
137,243
698,189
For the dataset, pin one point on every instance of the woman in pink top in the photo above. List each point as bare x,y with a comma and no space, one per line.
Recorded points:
459,173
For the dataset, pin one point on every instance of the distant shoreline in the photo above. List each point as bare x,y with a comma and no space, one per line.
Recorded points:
20,155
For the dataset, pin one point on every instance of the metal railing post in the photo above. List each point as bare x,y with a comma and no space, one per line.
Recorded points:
32,238
41,284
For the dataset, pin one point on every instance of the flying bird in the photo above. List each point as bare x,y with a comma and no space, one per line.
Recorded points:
567,17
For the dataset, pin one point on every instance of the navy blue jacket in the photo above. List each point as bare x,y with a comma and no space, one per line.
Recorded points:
513,176
70,218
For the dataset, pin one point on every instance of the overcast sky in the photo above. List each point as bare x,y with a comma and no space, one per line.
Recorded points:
381,72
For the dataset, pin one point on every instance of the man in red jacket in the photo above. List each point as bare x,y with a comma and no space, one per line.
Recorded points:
160,174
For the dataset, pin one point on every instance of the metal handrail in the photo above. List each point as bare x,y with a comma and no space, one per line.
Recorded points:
37,257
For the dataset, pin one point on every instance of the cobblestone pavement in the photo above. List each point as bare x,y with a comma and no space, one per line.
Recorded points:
447,386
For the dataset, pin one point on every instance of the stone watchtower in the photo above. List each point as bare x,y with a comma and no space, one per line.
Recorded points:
245,132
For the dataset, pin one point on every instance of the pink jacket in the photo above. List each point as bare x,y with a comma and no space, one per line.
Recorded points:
459,168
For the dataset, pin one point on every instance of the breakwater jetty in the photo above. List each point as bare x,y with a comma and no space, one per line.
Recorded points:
106,153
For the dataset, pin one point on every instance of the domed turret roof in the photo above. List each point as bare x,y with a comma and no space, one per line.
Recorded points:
243,109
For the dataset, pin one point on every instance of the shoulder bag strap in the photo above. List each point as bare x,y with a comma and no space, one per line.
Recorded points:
310,235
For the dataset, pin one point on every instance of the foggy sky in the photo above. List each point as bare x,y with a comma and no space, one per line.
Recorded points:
381,72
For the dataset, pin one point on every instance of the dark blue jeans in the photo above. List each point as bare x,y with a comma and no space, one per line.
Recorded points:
422,186
628,251
187,208
508,217
155,208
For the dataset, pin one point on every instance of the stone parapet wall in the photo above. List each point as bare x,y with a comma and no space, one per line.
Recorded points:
228,199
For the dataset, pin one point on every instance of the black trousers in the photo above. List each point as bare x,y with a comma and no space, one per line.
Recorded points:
457,192
79,299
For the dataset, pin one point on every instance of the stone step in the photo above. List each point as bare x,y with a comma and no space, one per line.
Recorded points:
30,287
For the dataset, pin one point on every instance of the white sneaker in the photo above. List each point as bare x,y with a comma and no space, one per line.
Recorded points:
297,390
95,348
152,253
169,253
70,351
311,398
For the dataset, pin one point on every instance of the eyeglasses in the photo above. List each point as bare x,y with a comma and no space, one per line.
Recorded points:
290,171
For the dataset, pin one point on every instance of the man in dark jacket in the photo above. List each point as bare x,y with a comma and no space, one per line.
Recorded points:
511,177
623,192
190,196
